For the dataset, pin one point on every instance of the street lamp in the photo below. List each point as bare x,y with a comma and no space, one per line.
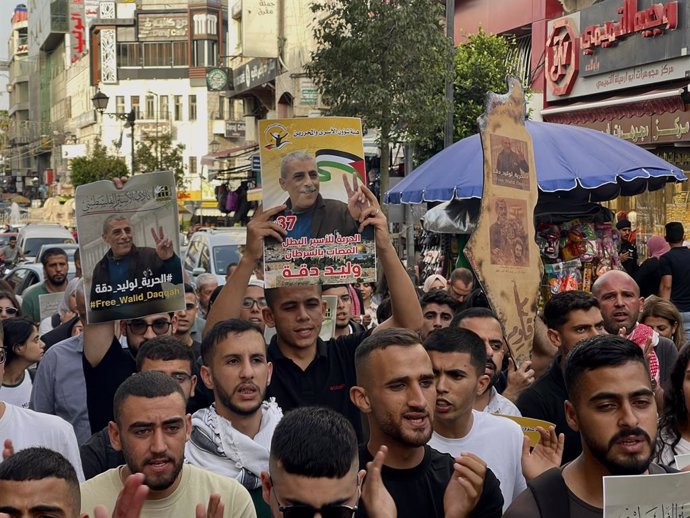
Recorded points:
213,146
100,103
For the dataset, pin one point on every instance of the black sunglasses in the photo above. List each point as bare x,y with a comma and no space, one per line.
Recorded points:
307,511
139,327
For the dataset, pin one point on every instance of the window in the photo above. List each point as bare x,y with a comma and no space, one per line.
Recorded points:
135,106
177,99
192,107
120,104
204,53
192,166
221,107
179,54
150,107
129,54
163,108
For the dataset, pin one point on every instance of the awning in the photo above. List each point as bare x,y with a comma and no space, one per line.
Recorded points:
233,152
650,103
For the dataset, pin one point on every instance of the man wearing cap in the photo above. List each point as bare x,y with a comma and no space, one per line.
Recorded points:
627,251
675,274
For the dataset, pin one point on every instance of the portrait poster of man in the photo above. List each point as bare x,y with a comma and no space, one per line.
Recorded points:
315,166
507,234
511,162
129,246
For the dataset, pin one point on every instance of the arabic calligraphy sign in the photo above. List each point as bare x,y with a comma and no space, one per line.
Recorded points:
648,129
309,164
77,30
129,246
163,27
647,496
502,250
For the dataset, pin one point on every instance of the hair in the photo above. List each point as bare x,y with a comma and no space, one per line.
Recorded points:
230,265
314,442
458,340
39,463
384,310
295,156
50,252
558,307
77,256
271,294
220,331
17,331
205,278
7,294
214,296
674,232
432,279
463,275
166,348
439,297
598,352
112,218
394,336
72,285
149,385
188,288
466,314
657,307
674,418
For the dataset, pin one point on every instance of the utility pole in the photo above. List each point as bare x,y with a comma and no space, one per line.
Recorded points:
449,127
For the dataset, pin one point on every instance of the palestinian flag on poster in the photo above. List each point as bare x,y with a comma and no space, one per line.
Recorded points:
331,160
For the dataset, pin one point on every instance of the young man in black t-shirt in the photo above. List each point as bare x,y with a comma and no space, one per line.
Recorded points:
675,274
397,393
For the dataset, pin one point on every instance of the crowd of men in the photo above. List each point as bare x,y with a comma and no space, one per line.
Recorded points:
171,413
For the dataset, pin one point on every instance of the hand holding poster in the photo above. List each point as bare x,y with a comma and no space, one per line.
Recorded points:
128,241
315,167
647,496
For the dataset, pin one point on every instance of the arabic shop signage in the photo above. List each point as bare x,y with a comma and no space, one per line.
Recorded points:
161,27
650,129
617,44
256,72
235,129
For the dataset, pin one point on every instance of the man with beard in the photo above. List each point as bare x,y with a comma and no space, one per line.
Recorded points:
611,403
236,369
485,323
396,391
620,303
54,262
151,428
570,317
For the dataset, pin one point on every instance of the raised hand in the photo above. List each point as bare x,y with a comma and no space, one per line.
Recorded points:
215,508
356,200
164,245
130,500
465,486
260,227
518,379
7,449
547,454
377,500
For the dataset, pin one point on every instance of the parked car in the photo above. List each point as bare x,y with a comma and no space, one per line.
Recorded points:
35,235
211,251
26,275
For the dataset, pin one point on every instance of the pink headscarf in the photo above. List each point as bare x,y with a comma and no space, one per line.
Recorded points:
657,246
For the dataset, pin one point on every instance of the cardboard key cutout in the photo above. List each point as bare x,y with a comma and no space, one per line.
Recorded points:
502,249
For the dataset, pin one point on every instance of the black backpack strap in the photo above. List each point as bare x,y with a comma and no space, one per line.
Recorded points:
551,494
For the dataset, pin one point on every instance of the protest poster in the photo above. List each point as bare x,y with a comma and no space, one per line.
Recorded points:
129,246
682,460
529,427
48,303
502,249
315,166
647,496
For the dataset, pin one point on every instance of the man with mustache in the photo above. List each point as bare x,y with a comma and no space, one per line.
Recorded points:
485,323
151,428
396,391
316,216
55,274
236,369
611,403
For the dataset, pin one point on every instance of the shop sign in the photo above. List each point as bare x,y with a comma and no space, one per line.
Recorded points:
161,27
235,129
649,129
628,61
77,30
308,92
255,73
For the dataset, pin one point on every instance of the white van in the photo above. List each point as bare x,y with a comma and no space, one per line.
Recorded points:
34,235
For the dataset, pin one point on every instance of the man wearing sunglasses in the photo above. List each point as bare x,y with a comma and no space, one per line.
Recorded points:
314,468
107,364
308,370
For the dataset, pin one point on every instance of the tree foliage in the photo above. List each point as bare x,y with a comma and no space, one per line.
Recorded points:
385,61
97,166
157,153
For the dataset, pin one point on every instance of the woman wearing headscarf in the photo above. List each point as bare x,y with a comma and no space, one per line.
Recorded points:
648,275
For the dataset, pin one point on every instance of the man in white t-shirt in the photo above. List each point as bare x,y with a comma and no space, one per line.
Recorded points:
458,357
22,428
151,429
